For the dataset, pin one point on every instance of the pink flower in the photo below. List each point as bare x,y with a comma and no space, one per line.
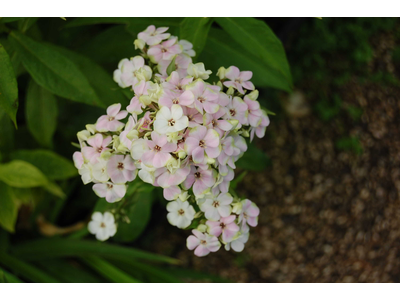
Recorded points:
175,83
203,243
153,35
145,122
121,169
172,192
99,145
238,79
249,215
164,51
200,179
205,98
254,112
112,192
166,177
124,137
125,75
140,88
260,130
213,121
195,118
237,110
170,98
170,120
200,140
226,226
159,152
217,207
110,121
182,62
223,187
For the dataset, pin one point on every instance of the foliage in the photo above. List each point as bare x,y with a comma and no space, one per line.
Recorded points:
56,76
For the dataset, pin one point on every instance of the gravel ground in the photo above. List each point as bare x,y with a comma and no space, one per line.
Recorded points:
327,215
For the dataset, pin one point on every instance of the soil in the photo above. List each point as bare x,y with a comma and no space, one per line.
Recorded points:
327,215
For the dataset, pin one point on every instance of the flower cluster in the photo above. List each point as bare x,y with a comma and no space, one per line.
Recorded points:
182,134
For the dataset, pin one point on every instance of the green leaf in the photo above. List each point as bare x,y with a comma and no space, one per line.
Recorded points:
58,247
8,86
139,216
9,278
10,19
26,23
107,91
261,42
6,133
109,271
25,270
52,70
53,165
18,173
54,189
8,208
171,67
41,114
195,30
253,159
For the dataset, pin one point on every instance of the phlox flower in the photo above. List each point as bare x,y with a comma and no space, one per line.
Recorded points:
153,36
205,99
213,121
129,72
172,192
176,83
203,243
238,79
260,130
170,120
187,47
248,215
112,192
110,122
146,173
223,186
238,244
216,207
195,118
128,135
226,226
145,122
99,145
180,213
182,62
164,51
254,112
78,159
237,109
141,88
200,179
121,168
99,171
171,177
170,98
200,140
159,152
102,225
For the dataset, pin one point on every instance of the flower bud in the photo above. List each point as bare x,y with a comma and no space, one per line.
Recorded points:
253,95
182,154
91,128
202,228
230,91
198,71
245,133
221,73
237,208
139,44
219,83
210,161
234,123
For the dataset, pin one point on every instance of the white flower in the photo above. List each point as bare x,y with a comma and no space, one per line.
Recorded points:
198,71
217,207
238,244
112,192
168,121
103,226
180,213
99,171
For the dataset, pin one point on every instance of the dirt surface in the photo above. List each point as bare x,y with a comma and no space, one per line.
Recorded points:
327,215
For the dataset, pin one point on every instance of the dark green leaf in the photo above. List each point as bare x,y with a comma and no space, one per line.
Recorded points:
53,165
41,114
171,67
10,278
52,70
261,42
221,50
143,22
8,208
25,270
109,271
57,247
106,89
10,19
8,86
253,159
195,30
18,173
6,133
26,23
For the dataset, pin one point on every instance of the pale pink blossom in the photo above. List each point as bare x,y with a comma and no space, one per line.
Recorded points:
121,169
182,62
260,130
125,75
176,83
237,110
216,207
112,192
170,120
200,140
153,36
170,98
202,243
254,112
238,79
98,145
225,226
164,51
214,121
248,215
159,152
238,244
205,99
110,122
167,177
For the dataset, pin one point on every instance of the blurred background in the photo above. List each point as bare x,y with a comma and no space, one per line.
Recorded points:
326,176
